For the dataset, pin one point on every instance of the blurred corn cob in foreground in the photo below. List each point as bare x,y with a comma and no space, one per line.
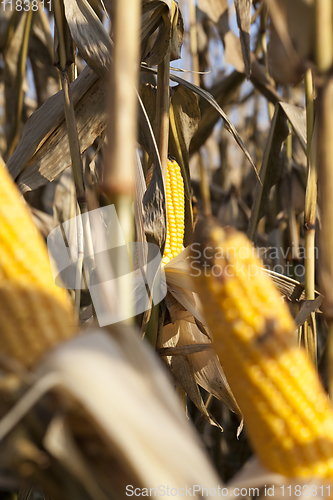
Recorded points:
286,412
35,313
175,210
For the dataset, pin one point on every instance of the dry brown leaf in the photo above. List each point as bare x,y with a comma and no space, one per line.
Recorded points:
272,164
54,155
226,93
291,38
89,35
11,73
45,121
297,118
243,12
177,34
45,74
201,368
156,15
214,9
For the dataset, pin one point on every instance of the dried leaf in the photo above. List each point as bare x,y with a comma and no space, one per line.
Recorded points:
297,118
54,155
214,9
225,93
243,12
182,369
288,287
156,15
89,35
308,307
5,17
201,368
272,166
177,33
291,38
41,58
227,123
233,55
11,75
43,122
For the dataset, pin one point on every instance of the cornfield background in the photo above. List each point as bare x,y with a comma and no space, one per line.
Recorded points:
239,95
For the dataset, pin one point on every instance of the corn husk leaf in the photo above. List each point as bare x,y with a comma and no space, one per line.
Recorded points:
118,375
201,368
185,331
177,273
182,369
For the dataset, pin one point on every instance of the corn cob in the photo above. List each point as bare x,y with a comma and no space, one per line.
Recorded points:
175,210
287,414
35,313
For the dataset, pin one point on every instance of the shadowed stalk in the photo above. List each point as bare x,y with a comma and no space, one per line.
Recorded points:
119,160
162,139
263,45
324,121
193,42
292,226
58,17
310,334
162,110
253,222
204,188
84,230
22,70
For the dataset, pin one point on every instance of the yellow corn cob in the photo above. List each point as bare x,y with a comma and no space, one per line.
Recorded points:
287,414
35,314
175,210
